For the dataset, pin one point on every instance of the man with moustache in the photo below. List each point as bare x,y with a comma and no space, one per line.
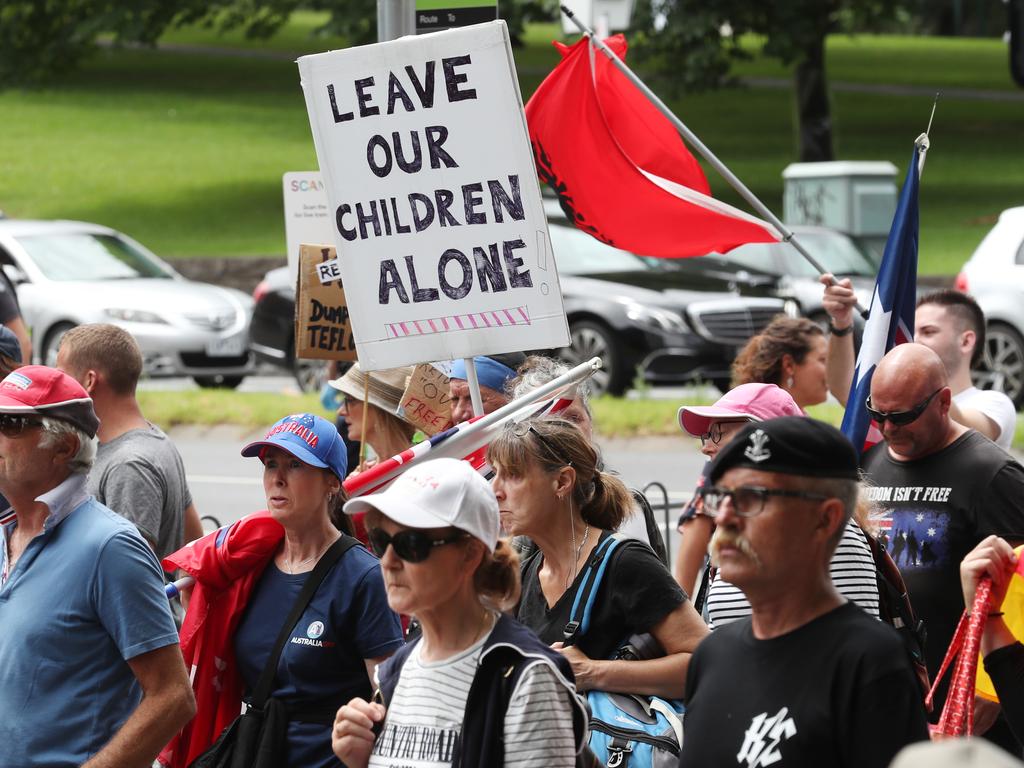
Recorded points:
809,679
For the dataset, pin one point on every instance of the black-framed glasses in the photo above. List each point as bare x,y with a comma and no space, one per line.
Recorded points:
714,434
901,418
523,428
749,500
411,545
13,425
348,401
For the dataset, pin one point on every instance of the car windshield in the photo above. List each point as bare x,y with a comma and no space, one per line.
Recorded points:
577,253
836,252
86,256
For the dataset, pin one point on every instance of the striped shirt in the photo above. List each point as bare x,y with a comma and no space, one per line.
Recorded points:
853,573
424,717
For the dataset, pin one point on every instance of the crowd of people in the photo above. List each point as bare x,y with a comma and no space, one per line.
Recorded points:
437,622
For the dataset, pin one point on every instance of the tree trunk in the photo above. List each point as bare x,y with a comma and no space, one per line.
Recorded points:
812,105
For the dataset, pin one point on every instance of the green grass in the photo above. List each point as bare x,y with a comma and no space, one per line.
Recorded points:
212,407
185,151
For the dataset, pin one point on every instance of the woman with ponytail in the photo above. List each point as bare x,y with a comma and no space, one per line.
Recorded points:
476,688
549,488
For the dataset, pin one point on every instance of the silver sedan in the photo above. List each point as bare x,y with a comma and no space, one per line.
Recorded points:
68,273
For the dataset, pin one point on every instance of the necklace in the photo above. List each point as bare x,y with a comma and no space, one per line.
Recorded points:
579,551
292,566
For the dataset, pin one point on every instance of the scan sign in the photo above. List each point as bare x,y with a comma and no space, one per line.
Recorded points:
441,237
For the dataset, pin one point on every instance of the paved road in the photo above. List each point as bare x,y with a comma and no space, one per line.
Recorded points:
228,486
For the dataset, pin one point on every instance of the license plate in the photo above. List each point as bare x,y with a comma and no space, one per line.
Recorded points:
232,346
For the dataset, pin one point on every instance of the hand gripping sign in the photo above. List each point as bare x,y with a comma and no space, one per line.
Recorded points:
440,230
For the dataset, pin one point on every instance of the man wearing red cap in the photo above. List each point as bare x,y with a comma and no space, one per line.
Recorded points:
90,667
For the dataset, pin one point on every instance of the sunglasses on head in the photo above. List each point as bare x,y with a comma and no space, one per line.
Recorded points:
411,545
12,425
901,418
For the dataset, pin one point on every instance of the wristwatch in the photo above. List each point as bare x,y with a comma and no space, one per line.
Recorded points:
839,331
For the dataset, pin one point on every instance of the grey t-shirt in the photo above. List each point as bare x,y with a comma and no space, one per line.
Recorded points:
140,476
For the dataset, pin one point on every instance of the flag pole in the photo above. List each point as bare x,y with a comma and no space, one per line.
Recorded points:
706,153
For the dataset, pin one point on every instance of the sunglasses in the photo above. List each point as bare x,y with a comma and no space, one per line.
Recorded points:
901,418
14,426
410,545
523,428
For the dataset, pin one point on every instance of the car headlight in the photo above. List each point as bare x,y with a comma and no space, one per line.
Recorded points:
134,316
665,319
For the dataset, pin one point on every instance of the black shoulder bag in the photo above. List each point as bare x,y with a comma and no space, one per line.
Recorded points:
256,738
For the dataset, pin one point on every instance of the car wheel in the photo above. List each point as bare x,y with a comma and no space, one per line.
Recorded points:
218,381
52,343
1002,364
311,375
588,339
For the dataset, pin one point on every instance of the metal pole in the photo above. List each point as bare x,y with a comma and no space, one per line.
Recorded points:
474,386
707,154
395,18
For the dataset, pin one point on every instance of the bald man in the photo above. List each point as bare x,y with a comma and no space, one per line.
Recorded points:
940,487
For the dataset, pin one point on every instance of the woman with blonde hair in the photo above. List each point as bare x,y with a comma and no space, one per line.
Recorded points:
477,688
387,433
549,488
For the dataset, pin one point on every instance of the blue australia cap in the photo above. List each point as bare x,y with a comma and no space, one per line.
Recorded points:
310,439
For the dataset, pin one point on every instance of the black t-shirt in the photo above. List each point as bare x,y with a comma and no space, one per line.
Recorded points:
838,691
934,511
636,593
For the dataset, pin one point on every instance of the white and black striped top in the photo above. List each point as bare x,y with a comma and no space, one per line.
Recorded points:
424,717
853,573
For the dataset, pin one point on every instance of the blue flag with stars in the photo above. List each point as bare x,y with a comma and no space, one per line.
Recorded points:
891,313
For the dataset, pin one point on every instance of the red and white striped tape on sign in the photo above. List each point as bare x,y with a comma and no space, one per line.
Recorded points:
499,318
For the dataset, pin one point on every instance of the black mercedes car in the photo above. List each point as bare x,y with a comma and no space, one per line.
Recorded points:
642,316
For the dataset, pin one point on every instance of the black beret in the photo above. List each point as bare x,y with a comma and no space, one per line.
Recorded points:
791,445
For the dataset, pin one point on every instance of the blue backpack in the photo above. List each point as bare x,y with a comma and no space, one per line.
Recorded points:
625,730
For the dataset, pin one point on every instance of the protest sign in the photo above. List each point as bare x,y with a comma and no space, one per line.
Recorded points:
424,152
426,402
323,329
307,218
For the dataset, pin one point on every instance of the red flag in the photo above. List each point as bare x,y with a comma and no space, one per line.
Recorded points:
620,168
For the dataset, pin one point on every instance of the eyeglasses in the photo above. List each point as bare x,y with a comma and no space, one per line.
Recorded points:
349,401
714,434
522,428
14,426
410,545
901,418
748,501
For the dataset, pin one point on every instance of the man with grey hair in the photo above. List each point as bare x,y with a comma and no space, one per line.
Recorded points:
809,678
90,668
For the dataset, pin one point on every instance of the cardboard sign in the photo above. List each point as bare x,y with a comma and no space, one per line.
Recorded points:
437,214
306,214
323,330
426,402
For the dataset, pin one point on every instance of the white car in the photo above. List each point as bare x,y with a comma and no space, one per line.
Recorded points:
68,273
994,275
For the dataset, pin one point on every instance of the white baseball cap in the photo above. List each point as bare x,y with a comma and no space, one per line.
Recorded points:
436,494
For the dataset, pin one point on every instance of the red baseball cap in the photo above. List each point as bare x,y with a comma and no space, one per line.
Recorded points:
751,402
44,391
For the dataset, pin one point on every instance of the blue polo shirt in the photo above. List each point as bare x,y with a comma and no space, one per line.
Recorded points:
84,598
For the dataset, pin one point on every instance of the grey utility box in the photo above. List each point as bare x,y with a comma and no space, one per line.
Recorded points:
856,197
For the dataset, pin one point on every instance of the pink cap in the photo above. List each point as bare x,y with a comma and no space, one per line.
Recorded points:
752,402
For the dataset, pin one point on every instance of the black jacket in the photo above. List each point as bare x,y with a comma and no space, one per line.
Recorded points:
508,652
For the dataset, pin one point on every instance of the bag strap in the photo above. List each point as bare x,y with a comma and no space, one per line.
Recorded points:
342,545
586,593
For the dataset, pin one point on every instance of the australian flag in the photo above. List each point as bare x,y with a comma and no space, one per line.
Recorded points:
891,314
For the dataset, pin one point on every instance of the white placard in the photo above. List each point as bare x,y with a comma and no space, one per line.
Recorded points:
307,216
436,207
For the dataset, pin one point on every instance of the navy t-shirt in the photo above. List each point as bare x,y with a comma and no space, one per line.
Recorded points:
321,666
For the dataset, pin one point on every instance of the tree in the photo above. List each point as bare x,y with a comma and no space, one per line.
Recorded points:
695,42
